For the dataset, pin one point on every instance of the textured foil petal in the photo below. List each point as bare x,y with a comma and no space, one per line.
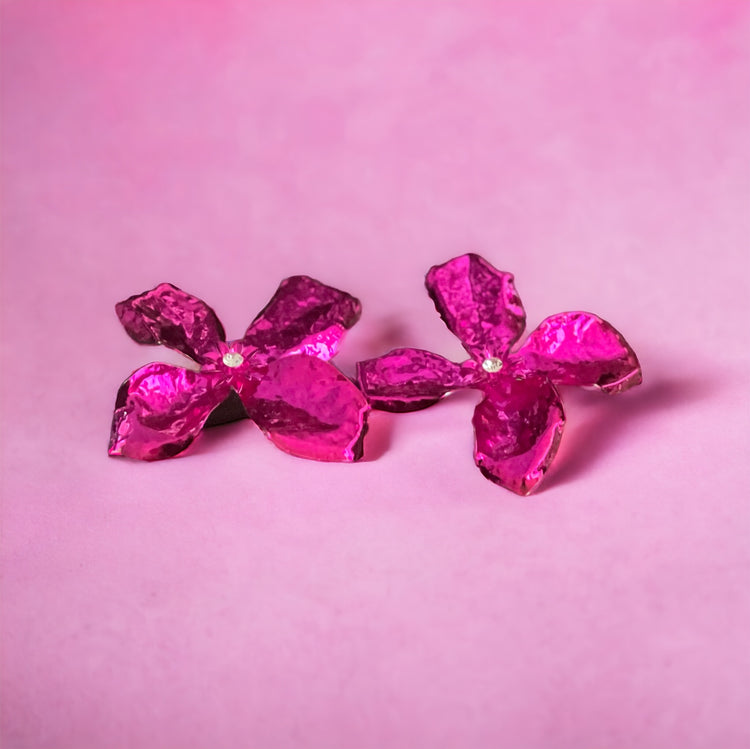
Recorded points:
303,316
308,408
578,348
517,429
478,303
173,318
407,379
160,409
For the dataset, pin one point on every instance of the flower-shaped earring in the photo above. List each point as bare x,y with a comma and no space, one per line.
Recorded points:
519,423
279,371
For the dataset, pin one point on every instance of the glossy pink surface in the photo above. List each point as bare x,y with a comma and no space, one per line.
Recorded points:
303,316
308,408
161,409
168,316
478,303
578,348
239,597
409,379
518,427
516,433
302,403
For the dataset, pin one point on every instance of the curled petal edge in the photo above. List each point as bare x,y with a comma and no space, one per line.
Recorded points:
518,427
304,316
478,303
171,317
408,379
159,411
580,348
308,408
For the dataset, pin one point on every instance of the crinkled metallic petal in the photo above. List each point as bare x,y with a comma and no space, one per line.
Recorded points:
478,303
304,316
160,409
173,318
517,429
308,408
578,348
407,379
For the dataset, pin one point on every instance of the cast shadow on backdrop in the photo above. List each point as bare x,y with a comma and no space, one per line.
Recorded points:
596,423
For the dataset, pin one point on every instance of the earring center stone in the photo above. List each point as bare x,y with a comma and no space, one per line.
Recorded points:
233,359
492,365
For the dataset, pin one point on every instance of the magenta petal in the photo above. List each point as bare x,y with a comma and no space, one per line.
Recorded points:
407,379
478,303
310,409
517,428
169,316
304,316
160,409
578,348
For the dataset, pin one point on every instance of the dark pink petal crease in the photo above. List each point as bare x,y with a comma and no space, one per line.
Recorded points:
517,429
303,316
478,303
408,379
169,316
160,410
308,408
578,348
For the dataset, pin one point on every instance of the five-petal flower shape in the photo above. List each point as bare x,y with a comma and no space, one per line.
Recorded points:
519,422
279,371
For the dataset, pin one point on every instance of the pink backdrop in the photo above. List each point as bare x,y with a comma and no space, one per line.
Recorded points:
239,597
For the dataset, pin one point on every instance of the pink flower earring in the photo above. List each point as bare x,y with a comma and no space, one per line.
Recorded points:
279,376
519,423
279,370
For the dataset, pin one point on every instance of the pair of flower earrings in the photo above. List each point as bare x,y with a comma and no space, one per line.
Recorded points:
278,374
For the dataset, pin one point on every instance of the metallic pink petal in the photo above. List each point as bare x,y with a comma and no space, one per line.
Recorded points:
309,409
160,409
578,348
173,318
407,379
478,303
304,316
518,427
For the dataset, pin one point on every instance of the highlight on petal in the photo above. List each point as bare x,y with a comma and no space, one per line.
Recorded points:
308,408
478,303
303,316
578,348
517,429
160,409
407,379
169,316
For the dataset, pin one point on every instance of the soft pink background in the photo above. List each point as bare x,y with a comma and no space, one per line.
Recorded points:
242,598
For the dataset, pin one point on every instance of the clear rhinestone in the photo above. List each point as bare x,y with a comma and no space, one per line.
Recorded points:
492,364
233,359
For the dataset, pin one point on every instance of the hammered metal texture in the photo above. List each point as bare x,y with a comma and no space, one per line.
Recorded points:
161,409
517,429
409,379
308,408
478,303
303,316
168,316
578,348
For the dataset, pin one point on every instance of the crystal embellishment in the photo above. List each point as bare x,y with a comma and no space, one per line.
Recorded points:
233,359
492,364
